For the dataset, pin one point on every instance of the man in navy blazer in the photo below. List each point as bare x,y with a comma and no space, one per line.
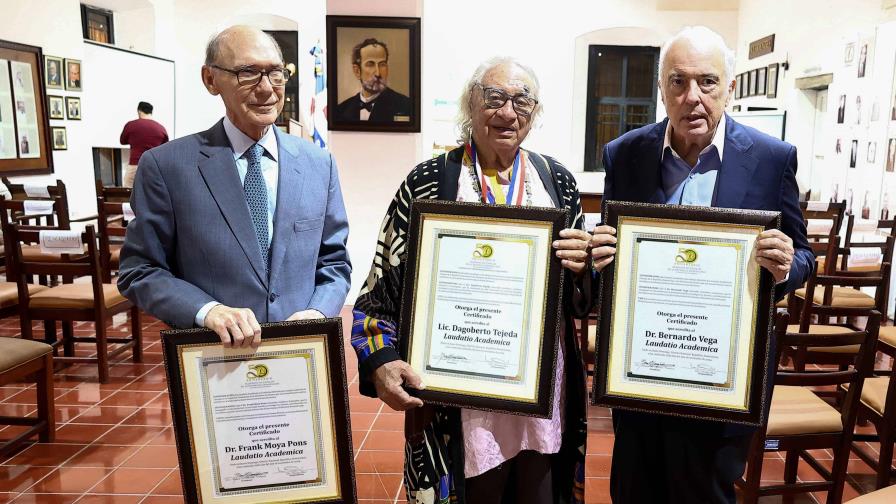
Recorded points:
239,224
698,156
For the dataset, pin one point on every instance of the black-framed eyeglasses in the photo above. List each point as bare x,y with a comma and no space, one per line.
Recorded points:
252,76
523,103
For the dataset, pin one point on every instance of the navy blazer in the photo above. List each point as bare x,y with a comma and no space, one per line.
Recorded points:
758,173
193,241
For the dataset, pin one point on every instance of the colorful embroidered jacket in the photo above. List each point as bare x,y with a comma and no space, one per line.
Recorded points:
434,459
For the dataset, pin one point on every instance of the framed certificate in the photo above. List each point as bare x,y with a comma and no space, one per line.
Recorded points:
686,313
481,309
264,425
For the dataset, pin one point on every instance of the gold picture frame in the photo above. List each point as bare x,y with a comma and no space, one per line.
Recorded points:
262,425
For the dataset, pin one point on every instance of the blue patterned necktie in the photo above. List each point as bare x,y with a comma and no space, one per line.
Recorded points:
257,198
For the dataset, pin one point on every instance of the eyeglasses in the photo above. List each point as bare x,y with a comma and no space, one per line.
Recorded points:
523,103
251,77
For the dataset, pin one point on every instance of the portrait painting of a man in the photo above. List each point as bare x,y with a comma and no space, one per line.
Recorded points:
374,73
376,101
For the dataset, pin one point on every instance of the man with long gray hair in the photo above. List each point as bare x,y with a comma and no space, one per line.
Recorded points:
698,156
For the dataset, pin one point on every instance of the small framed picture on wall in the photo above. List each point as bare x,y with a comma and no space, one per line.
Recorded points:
53,72
72,74
738,86
57,109
73,108
373,73
754,82
772,87
760,89
60,140
891,155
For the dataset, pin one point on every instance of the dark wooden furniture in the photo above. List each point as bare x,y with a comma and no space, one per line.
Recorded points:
30,361
92,300
800,420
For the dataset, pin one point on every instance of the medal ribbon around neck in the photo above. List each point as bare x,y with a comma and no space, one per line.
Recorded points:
486,192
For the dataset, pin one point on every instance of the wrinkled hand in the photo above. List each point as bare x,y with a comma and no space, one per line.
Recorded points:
306,315
388,379
573,249
237,327
774,252
603,247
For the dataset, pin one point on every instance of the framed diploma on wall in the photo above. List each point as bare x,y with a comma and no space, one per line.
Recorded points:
686,313
262,425
480,317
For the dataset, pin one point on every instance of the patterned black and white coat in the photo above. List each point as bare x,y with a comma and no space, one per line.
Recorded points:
434,458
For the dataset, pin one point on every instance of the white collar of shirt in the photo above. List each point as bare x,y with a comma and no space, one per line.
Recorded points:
718,139
240,142
365,100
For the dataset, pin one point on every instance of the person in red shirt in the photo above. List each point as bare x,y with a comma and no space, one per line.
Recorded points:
141,134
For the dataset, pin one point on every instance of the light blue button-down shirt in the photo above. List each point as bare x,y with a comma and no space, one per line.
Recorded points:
240,143
686,185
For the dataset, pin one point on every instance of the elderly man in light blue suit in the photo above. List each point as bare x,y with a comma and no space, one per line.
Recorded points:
239,224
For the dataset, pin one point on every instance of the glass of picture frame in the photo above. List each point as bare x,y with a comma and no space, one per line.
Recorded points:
761,82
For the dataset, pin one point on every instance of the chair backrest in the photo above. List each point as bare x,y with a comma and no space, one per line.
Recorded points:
11,213
884,244
60,216
819,211
877,279
110,202
70,266
113,193
862,364
887,226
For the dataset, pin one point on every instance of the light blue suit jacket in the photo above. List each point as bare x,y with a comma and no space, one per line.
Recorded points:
193,242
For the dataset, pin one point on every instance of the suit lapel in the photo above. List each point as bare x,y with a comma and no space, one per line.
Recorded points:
736,173
289,189
646,164
219,171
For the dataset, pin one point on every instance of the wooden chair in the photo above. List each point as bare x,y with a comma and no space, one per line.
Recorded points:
878,406
111,225
821,214
94,301
800,420
842,289
883,254
58,218
825,252
827,307
23,360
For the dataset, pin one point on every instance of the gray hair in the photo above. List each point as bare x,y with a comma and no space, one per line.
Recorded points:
464,120
701,36
213,48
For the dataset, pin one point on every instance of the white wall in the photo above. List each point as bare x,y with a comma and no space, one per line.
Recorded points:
372,165
195,22
55,26
814,46
553,39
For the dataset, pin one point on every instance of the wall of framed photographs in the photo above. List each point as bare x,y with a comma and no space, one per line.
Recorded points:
78,84
813,125
59,37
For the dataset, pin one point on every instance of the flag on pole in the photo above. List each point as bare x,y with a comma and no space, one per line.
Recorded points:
319,100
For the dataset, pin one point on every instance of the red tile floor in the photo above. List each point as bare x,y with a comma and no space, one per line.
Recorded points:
115,444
